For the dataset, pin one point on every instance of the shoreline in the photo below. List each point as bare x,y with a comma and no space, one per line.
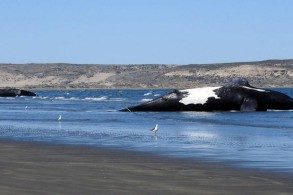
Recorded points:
41,168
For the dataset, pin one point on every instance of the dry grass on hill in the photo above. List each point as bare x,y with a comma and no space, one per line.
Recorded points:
271,73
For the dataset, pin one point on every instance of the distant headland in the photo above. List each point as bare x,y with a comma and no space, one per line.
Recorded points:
269,73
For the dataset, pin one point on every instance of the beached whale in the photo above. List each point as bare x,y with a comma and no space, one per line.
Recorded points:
13,92
237,95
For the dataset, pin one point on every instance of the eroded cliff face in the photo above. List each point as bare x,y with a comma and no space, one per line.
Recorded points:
271,73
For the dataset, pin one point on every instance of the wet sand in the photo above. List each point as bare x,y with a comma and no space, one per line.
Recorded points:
32,168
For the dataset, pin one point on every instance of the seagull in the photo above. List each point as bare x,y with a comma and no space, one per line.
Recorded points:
155,129
26,107
60,118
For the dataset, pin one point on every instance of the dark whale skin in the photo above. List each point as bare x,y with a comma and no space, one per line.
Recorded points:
13,92
237,95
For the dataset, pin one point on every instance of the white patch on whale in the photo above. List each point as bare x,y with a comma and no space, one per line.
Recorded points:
198,95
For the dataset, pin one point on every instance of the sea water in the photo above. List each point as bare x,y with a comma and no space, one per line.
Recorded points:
262,140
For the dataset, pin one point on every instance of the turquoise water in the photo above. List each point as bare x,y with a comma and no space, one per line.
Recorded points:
251,139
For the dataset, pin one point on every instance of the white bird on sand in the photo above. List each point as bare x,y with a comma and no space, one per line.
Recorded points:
60,118
155,129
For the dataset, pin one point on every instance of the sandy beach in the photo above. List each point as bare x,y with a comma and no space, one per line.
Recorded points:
33,168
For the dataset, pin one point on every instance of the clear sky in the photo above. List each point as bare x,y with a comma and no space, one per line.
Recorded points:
145,31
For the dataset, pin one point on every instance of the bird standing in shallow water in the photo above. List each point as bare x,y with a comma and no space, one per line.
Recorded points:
155,129
60,118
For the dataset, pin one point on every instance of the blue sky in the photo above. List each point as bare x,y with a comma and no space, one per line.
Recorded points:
145,31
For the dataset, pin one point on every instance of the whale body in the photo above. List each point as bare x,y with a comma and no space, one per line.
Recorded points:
237,95
13,92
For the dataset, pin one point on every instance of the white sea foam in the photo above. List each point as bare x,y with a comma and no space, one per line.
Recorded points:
41,97
269,110
147,94
59,98
105,98
8,98
145,100
74,98
97,99
118,99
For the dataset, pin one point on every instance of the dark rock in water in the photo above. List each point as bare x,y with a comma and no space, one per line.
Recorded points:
13,92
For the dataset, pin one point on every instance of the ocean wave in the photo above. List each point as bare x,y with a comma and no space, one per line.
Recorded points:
279,110
104,98
8,98
118,99
96,99
62,98
41,97
59,98
145,100
147,94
